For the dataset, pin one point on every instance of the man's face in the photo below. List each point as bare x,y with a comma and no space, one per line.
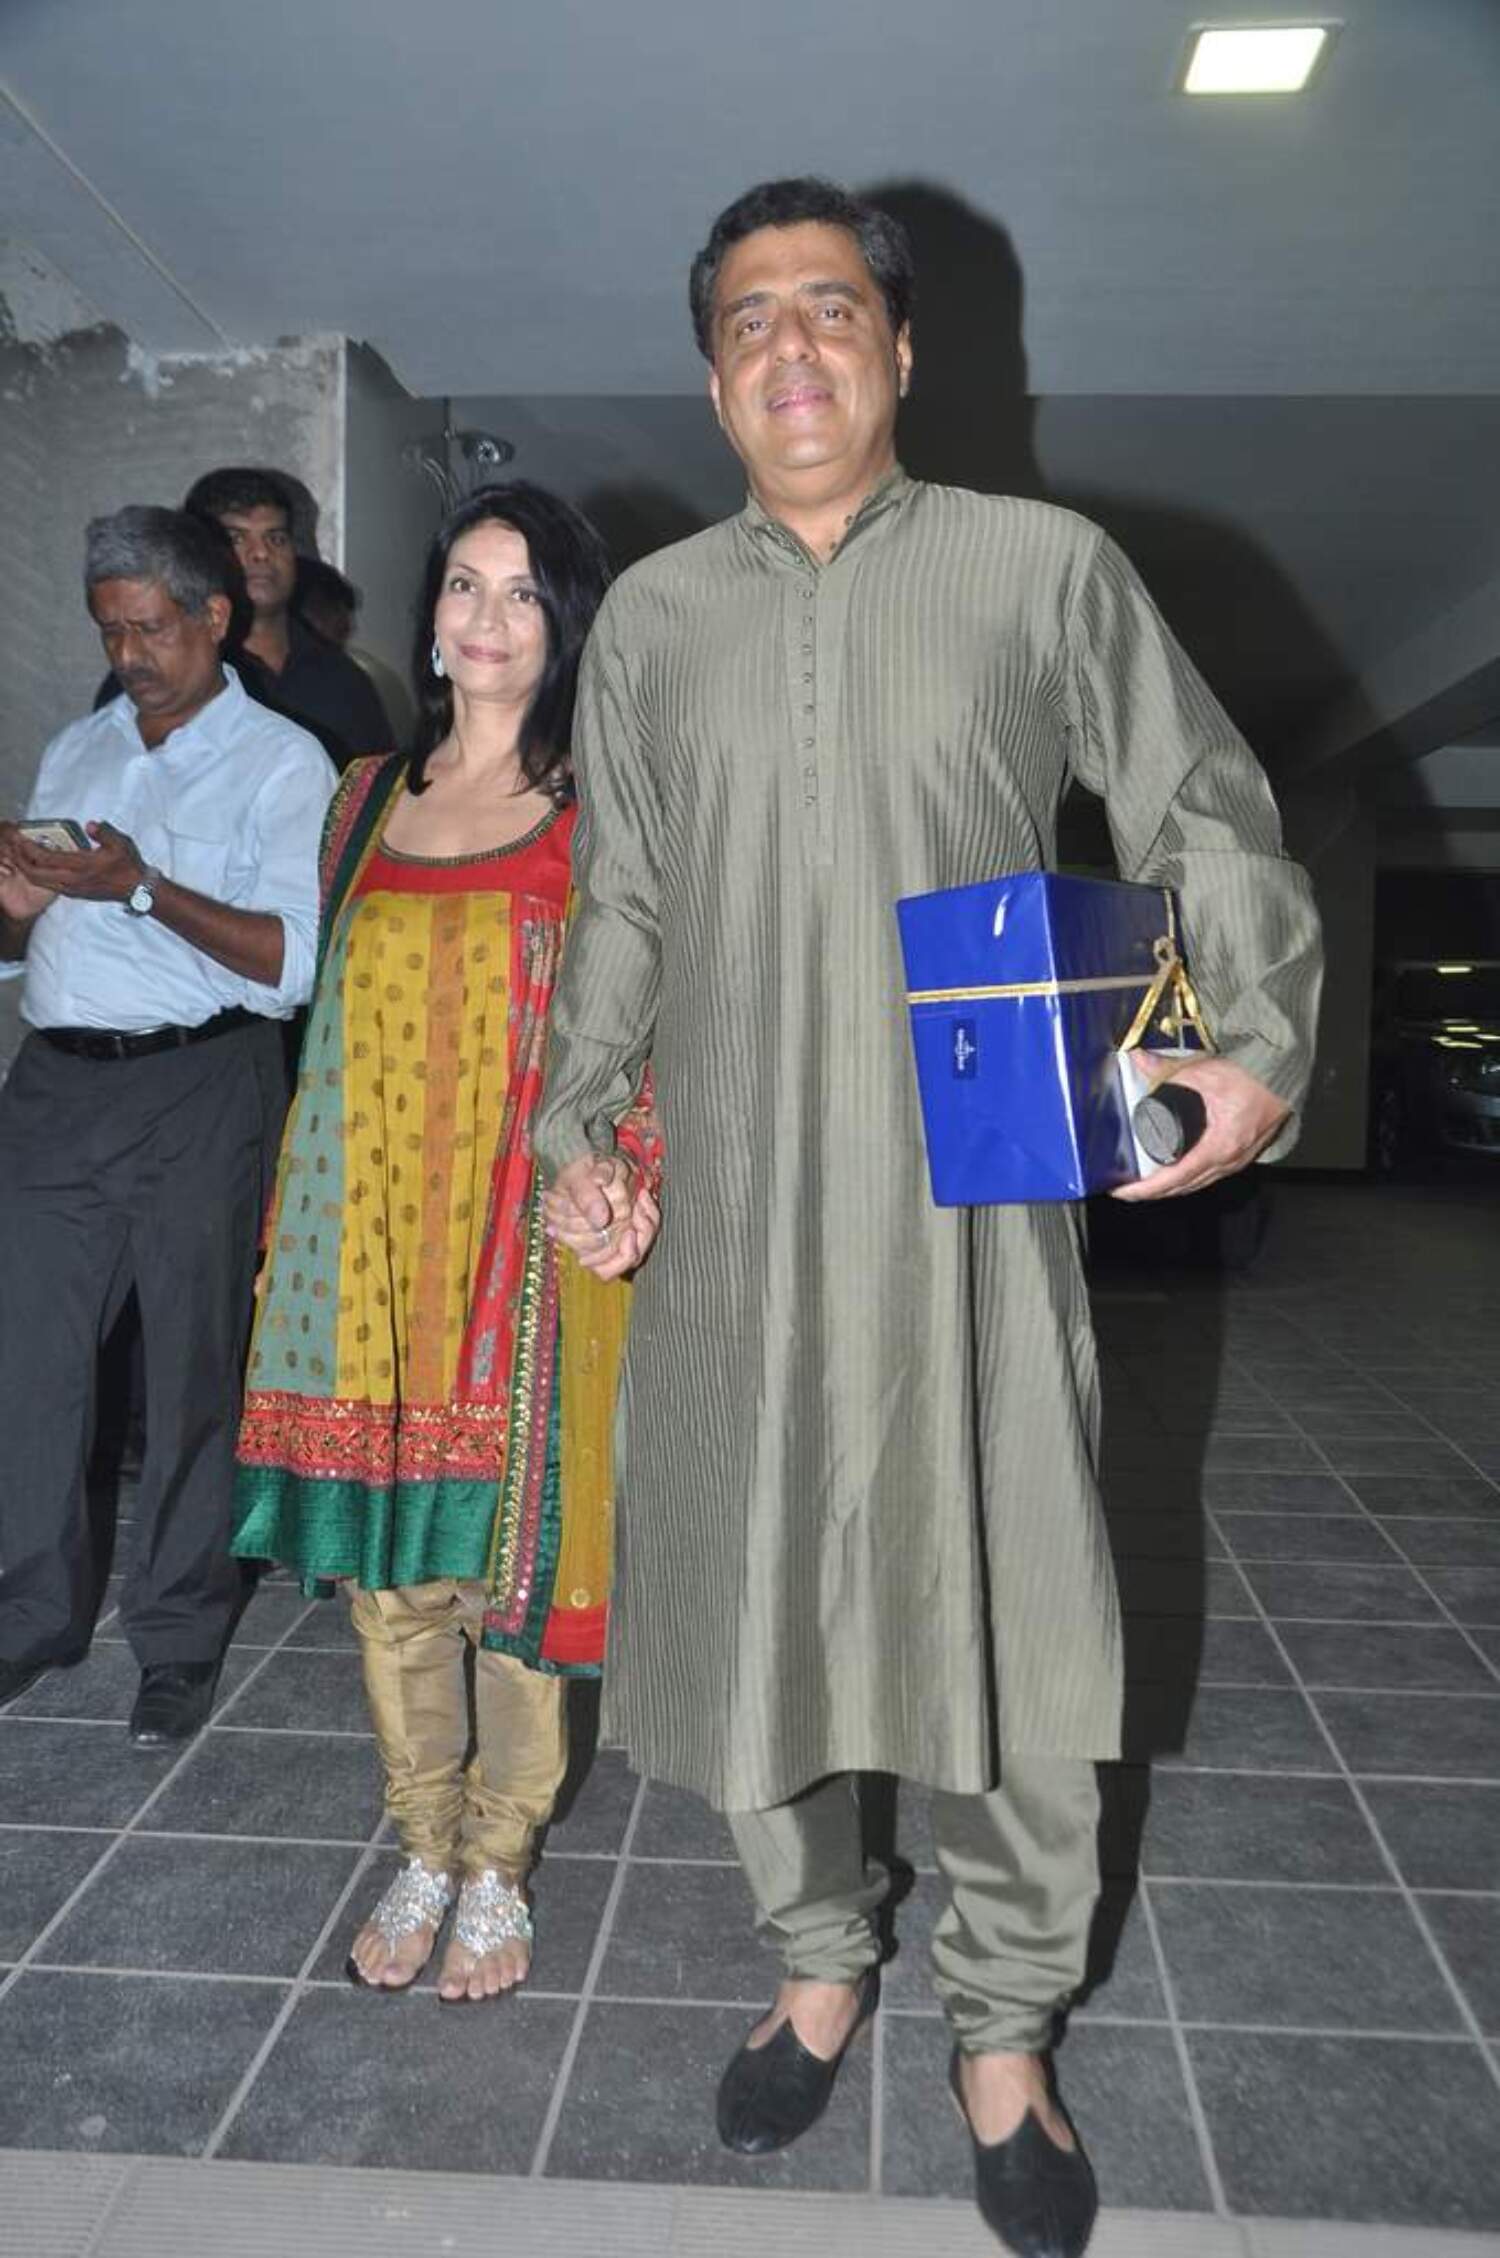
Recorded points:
806,373
166,659
262,540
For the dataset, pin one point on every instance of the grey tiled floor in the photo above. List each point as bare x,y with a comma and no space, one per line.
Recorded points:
1296,2009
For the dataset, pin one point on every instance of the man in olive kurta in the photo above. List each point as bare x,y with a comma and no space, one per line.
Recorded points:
857,1519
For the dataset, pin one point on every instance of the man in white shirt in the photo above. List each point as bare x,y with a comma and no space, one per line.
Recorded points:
159,960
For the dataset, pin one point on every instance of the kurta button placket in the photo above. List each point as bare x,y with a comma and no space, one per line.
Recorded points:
815,612
801,616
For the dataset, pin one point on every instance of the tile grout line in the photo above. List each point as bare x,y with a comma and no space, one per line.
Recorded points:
1415,1909
123,1834
1459,1998
877,2103
190,1834
1196,2111
296,1992
900,2013
1416,1569
1332,1772
1402,1558
1347,1484
564,2074
106,2219
300,1732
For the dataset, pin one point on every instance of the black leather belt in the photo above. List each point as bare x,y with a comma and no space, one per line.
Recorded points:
104,1042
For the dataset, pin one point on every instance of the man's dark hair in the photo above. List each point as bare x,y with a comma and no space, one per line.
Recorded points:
191,559
218,491
883,243
571,569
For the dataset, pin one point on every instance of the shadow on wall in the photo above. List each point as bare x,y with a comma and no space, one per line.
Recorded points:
971,421
637,517
970,418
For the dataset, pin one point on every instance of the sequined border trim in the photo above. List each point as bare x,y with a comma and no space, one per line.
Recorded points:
329,1439
513,1548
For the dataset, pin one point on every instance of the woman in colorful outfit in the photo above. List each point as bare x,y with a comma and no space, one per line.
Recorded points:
431,1387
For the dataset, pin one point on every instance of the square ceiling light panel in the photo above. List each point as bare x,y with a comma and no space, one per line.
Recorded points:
1254,58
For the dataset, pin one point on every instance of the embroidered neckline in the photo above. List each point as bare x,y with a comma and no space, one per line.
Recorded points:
529,838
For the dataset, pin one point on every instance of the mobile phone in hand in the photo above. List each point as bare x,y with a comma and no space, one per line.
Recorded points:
58,833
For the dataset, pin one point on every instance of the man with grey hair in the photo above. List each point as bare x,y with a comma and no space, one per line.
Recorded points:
160,899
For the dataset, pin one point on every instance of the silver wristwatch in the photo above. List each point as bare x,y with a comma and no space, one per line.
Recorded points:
141,900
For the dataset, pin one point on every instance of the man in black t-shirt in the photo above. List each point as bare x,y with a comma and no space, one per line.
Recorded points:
295,669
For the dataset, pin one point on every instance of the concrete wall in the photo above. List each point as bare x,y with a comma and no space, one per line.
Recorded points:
87,424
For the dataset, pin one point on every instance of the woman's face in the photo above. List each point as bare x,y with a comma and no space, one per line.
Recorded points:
489,622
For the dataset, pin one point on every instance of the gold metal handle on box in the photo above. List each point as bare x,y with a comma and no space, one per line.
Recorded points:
1175,990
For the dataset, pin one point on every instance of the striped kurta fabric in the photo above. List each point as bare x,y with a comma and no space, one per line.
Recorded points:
857,1517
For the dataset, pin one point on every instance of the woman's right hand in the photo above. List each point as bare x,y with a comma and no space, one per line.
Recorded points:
600,1209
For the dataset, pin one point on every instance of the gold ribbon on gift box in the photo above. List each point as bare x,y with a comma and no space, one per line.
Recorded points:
1169,993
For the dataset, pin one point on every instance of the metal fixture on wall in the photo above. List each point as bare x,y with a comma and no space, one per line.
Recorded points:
457,462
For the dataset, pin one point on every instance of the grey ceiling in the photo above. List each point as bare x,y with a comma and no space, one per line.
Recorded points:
1260,338
504,197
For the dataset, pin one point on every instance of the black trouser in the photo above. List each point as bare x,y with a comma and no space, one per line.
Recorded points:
112,1172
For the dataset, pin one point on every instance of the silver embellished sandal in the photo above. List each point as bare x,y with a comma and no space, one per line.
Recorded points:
491,1912
416,1899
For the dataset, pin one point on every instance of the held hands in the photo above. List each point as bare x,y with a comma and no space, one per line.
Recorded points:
1243,1118
600,1208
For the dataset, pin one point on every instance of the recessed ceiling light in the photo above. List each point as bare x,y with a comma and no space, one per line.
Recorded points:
1254,58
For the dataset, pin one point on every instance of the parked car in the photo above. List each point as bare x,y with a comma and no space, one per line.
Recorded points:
1435,1060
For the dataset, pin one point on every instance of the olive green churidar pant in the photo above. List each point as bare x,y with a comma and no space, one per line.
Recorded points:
451,1815
1022,1869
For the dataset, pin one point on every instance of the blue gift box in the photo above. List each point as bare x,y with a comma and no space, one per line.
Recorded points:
1021,992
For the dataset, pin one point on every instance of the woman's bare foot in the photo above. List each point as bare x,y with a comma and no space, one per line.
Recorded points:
391,1967
395,1944
491,1948
483,1975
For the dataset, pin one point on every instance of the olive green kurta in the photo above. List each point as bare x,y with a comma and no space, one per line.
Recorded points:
857,1521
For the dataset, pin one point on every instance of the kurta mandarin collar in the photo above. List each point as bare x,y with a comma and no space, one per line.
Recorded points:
883,503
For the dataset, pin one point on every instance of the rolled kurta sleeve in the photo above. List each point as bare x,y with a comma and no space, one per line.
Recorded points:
1189,807
604,1011
284,827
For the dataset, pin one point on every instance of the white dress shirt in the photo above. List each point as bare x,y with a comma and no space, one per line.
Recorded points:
230,804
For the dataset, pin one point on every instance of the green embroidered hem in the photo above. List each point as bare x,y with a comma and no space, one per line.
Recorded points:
410,1533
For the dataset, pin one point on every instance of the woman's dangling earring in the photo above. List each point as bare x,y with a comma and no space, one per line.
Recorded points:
438,667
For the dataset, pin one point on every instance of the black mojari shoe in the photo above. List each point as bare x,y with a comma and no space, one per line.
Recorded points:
1039,2199
771,2094
174,1701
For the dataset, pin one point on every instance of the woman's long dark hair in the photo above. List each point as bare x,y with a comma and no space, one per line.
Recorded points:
571,570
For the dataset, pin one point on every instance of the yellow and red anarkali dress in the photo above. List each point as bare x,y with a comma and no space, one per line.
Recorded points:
430,1389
